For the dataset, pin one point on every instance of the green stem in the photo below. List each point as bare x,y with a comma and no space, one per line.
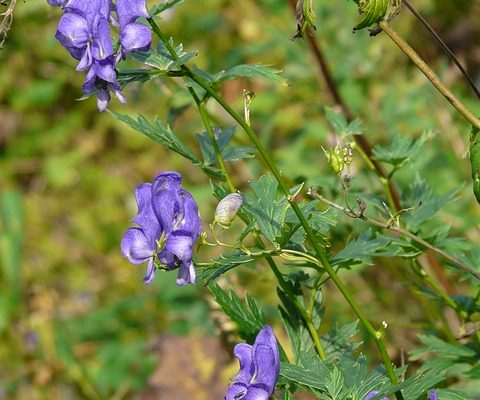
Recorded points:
307,316
376,336
431,76
216,149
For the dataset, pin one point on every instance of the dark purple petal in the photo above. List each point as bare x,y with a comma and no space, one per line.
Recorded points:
135,37
167,258
146,218
102,47
236,391
190,220
186,274
266,360
73,31
103,98
90,9
166,201
255,393
57,3
86,60
135,246
101,79
180,244
150,273
259,368
243,352
129,10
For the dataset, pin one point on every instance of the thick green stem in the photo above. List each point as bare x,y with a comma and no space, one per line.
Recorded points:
376,336
431,76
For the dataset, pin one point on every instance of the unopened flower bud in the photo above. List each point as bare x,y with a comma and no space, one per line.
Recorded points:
227,209
335,159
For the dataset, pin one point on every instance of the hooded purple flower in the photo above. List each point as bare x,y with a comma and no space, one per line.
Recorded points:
259,368
167,214
134,36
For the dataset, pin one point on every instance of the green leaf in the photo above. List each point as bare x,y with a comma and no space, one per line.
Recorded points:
438,346
11,240
362,249
164,135
247,315
250,71
401,150
229,153
337,341
340,124
156,10
223,264
300,375
267,207
425,202
162,60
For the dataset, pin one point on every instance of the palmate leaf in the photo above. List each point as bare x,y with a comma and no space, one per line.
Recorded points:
250,71
267,207
366,246
162,60
247,315
343,379
338,341
223,138
340,124
425,203
226,262
402,149
163,134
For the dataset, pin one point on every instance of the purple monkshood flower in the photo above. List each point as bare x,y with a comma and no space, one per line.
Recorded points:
432,395
133,35
167,217
84,30
259,368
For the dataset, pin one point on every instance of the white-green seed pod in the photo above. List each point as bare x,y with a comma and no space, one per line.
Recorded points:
227,209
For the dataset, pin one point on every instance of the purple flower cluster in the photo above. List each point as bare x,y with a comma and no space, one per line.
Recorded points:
259,368
84,30
168,225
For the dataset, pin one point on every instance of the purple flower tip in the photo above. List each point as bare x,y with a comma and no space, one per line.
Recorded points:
167,214
432,395
259,368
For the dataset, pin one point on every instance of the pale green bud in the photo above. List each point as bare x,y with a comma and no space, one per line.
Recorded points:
335,159
227,209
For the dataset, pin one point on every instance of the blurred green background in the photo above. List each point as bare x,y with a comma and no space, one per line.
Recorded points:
76,321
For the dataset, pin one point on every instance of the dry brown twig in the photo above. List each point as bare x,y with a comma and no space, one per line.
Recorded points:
6,21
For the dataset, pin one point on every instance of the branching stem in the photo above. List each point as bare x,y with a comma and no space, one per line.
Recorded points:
394,228
376,336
